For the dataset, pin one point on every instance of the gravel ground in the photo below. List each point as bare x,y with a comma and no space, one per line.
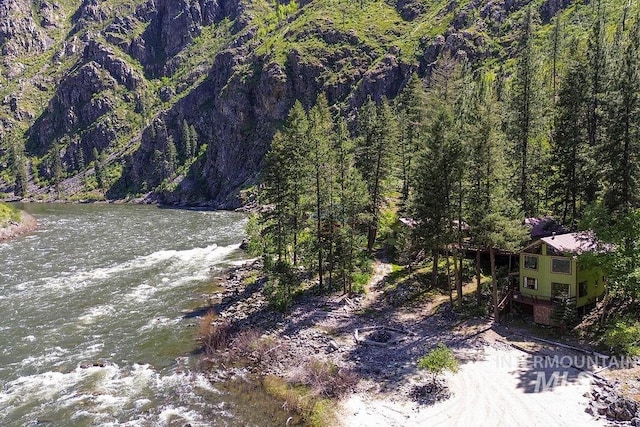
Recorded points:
381,343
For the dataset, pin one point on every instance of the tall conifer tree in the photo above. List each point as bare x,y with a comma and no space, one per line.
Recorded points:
376,138
490,212
522,126
287,180
411,120
435,178
320,135
620,148
352,203
17,163
570,152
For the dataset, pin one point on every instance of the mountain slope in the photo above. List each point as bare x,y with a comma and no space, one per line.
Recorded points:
178,99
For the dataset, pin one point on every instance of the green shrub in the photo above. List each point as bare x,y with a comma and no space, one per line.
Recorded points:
311,410
623,337
360,280
281,286
438,360
388,229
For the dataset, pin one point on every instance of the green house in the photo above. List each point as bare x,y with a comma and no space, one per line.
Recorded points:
551,272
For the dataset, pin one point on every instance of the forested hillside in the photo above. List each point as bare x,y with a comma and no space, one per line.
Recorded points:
469,152
177,101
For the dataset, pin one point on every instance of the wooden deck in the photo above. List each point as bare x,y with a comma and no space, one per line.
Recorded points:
518,297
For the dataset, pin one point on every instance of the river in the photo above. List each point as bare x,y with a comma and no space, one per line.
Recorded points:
92,323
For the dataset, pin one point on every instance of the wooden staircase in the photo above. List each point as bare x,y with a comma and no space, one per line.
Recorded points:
505,300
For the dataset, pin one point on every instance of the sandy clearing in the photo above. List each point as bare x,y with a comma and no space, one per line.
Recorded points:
498,390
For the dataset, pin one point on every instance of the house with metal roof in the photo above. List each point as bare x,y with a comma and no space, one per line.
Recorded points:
551,273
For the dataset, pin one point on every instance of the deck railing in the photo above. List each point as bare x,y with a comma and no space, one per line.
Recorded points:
531,300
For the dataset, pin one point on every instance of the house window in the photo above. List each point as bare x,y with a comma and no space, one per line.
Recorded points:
582,289
531,262
530,283
561,265
559,291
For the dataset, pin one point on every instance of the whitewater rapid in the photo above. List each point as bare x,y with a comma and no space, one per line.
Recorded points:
92,317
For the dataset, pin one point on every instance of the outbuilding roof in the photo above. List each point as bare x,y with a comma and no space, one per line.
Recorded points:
544,226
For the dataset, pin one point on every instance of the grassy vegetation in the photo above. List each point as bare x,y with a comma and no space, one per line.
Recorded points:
311,410
376,25
8,214
310,390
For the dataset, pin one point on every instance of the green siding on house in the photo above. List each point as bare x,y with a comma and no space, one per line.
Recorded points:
545,277
595,285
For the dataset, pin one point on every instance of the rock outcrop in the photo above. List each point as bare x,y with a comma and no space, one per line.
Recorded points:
124,79
607,402
20,33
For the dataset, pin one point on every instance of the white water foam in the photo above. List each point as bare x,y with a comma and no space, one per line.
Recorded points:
172,414
140,293
107,394
94,313
51,357
196,261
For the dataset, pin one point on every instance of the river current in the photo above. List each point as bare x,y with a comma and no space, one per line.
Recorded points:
92,317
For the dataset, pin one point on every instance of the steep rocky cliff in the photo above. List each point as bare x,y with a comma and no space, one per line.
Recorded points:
177,100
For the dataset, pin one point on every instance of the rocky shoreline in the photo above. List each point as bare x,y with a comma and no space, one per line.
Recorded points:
26,224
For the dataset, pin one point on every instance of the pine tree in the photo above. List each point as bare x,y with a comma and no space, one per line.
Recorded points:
446,79
411,120
448,89
171,157
57,172
523,120
187,141
570,144
277,191
490,213
80,157
17,163
194,140
437,169
486,164
287,180
352,202
376,138
555,49
97,166
320,134
596,67
621,145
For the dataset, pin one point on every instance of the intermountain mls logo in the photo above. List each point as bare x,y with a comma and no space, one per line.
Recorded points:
549,372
